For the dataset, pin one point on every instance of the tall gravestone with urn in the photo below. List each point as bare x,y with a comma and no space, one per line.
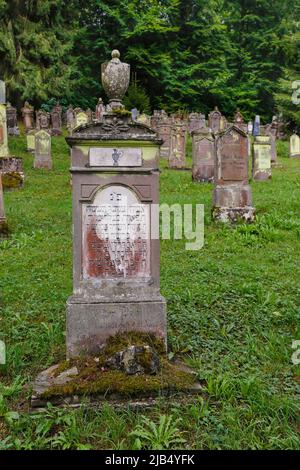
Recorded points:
116,262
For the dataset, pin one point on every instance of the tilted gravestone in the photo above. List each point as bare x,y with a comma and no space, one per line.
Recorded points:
116,260
42,156
28,116
295,146
232,196
262,151
203,146
177,158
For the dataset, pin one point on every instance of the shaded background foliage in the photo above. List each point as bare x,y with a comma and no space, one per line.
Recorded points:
186,54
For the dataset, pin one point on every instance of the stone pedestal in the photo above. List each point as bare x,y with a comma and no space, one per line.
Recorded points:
203,156
232,197
116,262
261,163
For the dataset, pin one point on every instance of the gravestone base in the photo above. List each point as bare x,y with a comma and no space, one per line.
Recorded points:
263,175
204,174
11,169
64,388
90,324
233,215
295,155
42,163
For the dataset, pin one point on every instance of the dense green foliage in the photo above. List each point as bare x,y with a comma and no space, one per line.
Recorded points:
233,314
187,54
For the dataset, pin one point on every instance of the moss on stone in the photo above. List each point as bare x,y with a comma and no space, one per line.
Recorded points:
12,180
121,112
95,379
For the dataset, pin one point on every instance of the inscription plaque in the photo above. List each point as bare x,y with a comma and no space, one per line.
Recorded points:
115,156
116,235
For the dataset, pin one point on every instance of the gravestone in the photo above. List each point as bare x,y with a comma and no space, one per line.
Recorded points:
114,166
295,146
89,114
100,109
261,165
12,172
70,118
80,117
30,138
239,121
163,130
4,152
42,120
232,197
195,122
42,155
56,120
256,126
134,114
203,156
271,131
155,119
214,120
177,146
144,119
28,116
12,120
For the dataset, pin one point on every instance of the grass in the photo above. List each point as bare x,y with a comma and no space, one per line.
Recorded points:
233,313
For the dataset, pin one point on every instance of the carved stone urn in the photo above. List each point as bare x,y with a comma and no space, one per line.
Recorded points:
115,77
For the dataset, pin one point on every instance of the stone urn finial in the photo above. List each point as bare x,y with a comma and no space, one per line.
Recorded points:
115,77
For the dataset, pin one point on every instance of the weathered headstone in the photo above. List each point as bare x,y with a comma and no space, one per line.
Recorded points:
256,126
239,120
28,116
30,138
12,120
12,172
261,167
2,92
70,118
232,197
295,146
134,114
80,117
42,120
56,120
214,120
177,148
196,122
163,130
42,156
116,260
100,109
4,152
144,119
203,156
271,131
89,114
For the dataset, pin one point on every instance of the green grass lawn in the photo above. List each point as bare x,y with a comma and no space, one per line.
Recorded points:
233,313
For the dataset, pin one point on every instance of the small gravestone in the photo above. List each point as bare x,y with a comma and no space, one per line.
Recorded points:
28,116
232,197
256,126
100,110
42,156
196,122
4,152
81,117
134,114
163,130
70,118
214,121
203,156
89,114
12,120
239,120
261,167
271,132
30,139
42,120
177,147
2,92
295,146
56,120
144,119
